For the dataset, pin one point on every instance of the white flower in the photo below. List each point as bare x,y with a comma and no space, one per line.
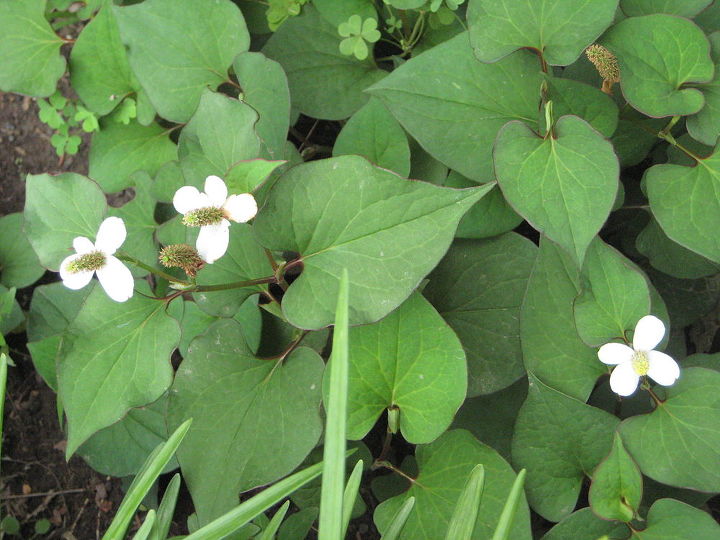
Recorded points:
211,211
641,359
77,270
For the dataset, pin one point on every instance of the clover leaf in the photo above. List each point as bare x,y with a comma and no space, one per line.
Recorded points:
356,33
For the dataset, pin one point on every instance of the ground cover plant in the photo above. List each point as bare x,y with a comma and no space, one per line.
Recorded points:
473,242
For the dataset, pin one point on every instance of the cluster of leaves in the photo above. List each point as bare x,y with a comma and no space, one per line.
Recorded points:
479,342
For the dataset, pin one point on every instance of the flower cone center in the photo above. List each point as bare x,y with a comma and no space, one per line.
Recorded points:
87,262
204,216
641,363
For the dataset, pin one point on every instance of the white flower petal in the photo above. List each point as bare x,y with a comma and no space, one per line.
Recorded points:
213,240
649,331
241,208
615,353
663,369
116,279
83,245
74,280
216,190
111,235
623,380
187,199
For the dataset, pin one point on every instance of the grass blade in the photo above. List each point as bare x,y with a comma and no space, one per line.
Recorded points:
145,529
333,477
3,384
467,507
274,525
166,510
398,520
144,480
506,518
351,491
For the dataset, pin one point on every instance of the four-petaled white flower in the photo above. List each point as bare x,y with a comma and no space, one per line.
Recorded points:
640,359
77,270
211,211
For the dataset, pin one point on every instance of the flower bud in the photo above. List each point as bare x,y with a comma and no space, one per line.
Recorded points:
605,62
181,256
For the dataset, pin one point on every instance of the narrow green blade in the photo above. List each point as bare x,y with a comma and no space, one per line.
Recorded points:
351,491
143,482
274,525
166,510
506,518
399,519
144,531
465,515
333,478
3,383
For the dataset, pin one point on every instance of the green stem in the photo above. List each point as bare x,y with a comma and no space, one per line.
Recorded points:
669,138
234,285
132,260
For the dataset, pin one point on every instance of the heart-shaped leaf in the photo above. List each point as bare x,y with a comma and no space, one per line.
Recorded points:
669,519
584,525
684,8
19,266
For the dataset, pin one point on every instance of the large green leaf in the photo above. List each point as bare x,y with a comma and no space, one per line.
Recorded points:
684,8
57,209
246,416
99,69
658,56
587,102
29,48
616,488
584,525
669,519
551,346
564,184
19,266
265,89
454,105
116,356
220,134
705,125
136,435
684,201
324,83
614,298
559,29
559,440
344,213
444,468
478,288
374,134
177,49
679,442
244,260
411,360
119,150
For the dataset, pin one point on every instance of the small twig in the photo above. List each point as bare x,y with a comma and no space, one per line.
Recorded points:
45,494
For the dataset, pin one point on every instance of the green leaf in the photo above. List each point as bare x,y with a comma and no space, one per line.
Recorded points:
684,8
137,434
126,111
344,213
11,316
450,103
703,126
19,266
551,347
584,525
559,440
247,176
670,257
559,29
463,518
658,56
119,150
220,134
502,531
614,298
393,530
564,184
679,442
444,468
99,69
57,209
684,202
168,180
616,489
338,12
323,82
177,53
32,63
277,519
374,134
243,261
579,99
260,403
265,89
669,519
411,361
116,357
491,417
478,288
